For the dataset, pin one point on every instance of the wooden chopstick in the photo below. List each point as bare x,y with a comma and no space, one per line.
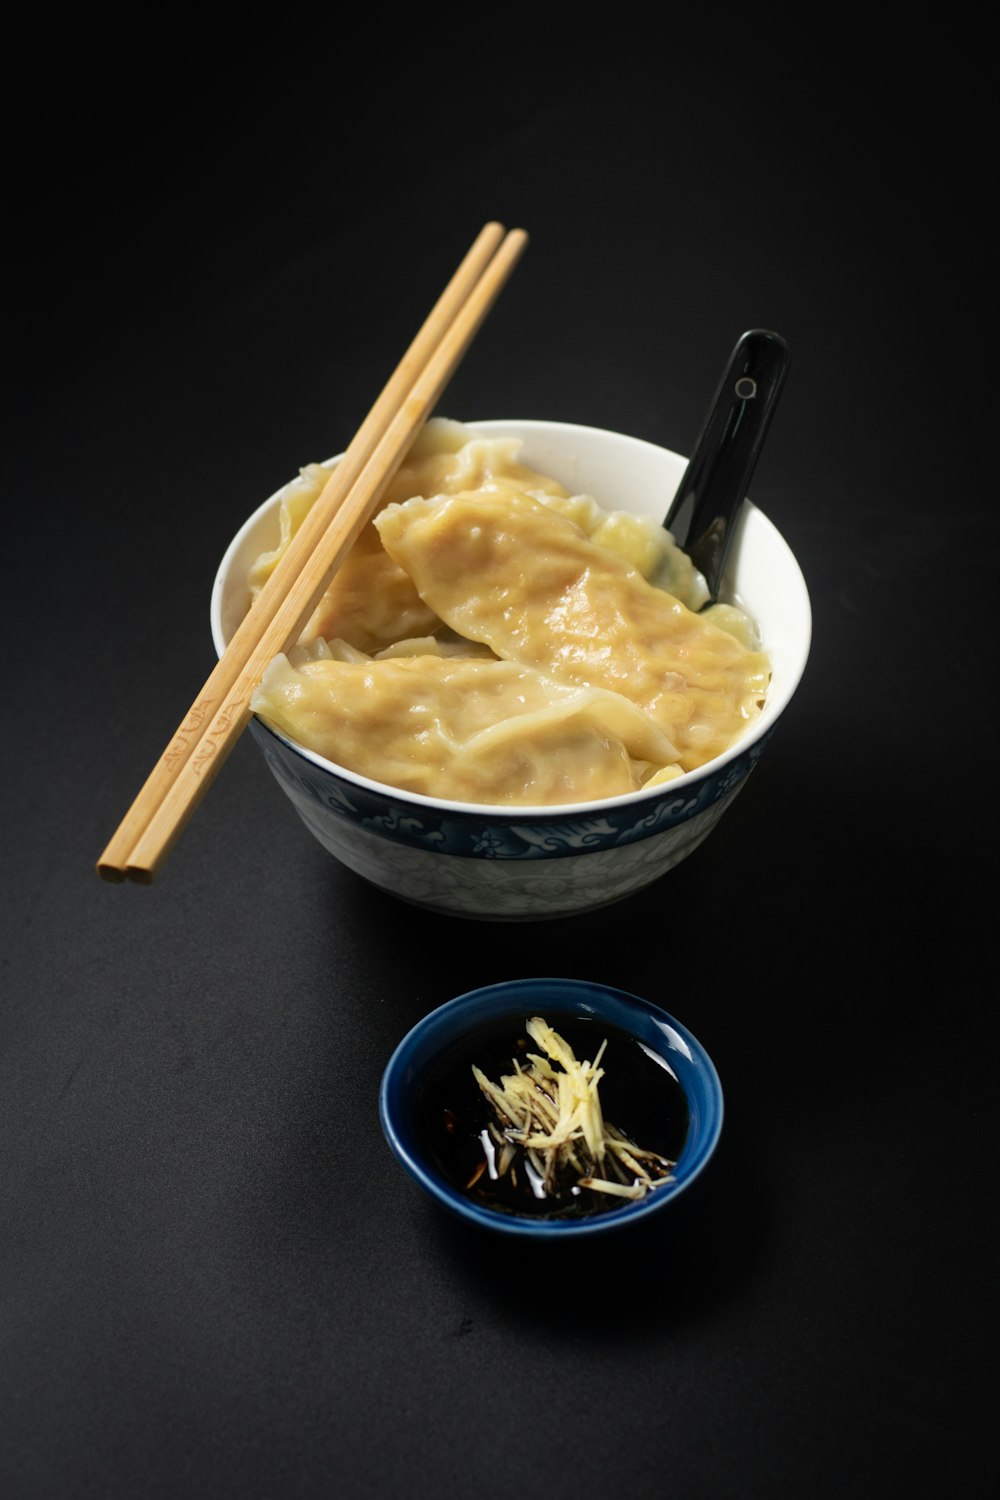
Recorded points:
221,712
114,861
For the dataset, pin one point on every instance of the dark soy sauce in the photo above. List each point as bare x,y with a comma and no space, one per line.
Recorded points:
638,1095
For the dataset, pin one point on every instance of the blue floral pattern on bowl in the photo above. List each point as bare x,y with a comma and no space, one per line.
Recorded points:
482,836
473,864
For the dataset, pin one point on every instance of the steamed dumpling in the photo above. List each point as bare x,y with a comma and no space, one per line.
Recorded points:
372,601
503,569
476,730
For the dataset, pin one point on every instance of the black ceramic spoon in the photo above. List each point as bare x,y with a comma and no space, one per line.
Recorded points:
703,513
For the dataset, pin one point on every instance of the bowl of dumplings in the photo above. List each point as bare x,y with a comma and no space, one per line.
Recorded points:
513,702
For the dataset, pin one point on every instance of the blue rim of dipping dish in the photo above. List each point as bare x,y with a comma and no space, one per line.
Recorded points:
401,1082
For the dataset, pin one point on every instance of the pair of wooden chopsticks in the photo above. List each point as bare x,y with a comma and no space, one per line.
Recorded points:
221,711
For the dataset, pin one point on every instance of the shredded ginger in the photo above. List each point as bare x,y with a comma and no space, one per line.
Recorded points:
548,1119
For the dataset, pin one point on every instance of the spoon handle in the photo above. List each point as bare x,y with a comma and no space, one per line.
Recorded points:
702,515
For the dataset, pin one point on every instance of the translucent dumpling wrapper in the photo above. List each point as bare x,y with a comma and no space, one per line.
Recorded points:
472,730
503,569
372,601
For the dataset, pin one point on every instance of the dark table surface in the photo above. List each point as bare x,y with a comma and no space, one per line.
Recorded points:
214,1278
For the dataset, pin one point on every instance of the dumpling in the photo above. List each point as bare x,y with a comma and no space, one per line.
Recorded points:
475,730
371,601
502,568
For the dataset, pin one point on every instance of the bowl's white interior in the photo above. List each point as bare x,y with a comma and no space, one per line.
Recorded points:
621,473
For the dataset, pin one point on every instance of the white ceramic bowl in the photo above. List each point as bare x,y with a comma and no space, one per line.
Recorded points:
523,863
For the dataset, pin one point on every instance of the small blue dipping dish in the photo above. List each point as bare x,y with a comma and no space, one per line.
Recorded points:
659,1081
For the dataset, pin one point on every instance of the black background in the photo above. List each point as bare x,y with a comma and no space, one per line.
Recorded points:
214,1278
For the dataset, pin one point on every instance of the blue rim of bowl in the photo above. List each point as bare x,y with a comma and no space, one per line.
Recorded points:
518,998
